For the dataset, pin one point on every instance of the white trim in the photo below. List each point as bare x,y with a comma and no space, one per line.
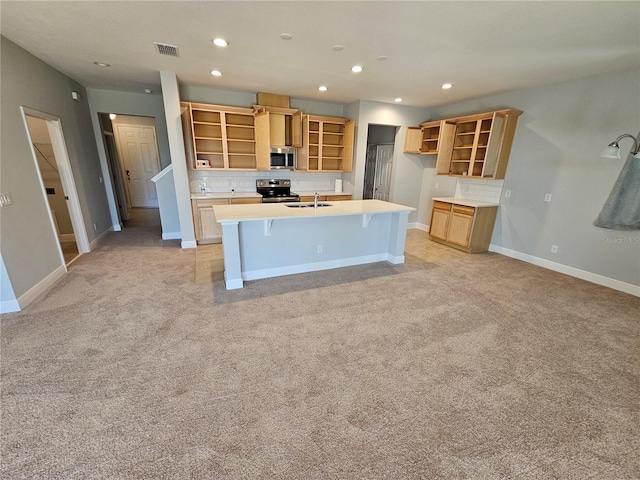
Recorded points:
117,227
233,284
567,270
9,306
188,244
418,226
42,286
101,237
314,267
172,236
395,259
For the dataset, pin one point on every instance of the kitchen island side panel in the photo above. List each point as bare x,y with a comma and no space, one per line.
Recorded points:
306,241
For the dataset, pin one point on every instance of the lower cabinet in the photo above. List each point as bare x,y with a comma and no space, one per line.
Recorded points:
326,198
207,230
461,226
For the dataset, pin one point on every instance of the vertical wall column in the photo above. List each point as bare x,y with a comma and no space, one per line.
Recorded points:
397,237
231,253
171,99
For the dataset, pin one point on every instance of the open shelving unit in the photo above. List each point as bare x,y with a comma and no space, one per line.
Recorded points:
220,138
327,144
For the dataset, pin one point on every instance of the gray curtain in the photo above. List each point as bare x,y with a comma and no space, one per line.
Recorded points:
621,211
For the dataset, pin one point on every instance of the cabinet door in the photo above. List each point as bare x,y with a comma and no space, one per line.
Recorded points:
445,149
413,140
493,146
439,220
244,201
460,225
207,230
263,159
277,129
296,129
347,153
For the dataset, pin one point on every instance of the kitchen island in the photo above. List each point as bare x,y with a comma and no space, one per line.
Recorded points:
270,240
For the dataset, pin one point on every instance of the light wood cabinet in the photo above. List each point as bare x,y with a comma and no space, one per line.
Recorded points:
223,138
283,128
327,144
461,226
207,229
427,138
326,198
476,146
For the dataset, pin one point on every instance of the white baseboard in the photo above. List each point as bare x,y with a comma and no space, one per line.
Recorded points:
419,226
41,287
172,236
188,244
117,227
567,270
313,267
96,241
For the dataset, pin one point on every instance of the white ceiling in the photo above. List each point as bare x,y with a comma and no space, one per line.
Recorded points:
480,47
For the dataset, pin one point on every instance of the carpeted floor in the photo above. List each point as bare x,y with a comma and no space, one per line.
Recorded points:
477,367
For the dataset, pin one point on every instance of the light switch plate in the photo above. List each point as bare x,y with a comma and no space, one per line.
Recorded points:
547,197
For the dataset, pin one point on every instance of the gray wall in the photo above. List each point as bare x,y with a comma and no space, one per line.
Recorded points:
557,150
29,247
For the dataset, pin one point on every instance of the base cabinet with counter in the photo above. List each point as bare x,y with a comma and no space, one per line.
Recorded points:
207,229
463,224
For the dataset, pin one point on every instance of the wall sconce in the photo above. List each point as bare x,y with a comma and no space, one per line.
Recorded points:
613,150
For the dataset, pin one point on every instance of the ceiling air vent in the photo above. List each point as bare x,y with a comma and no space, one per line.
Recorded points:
164,49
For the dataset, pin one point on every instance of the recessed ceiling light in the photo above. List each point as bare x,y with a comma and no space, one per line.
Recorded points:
322,88
286,36
381,58
101,64
397,100
447,86
220,42
356,69
148,91
338,48
216,73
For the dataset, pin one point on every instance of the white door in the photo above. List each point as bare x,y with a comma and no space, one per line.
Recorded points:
139,154
370,172
384,162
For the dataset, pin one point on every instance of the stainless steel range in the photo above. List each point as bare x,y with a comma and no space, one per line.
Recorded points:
276,190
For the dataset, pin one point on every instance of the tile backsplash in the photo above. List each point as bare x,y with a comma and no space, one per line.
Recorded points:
478,189
220,182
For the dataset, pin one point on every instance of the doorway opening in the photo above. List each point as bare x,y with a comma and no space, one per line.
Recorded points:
133,159
58,186
379,162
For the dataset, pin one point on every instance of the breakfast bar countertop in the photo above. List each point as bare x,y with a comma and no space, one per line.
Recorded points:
265,211
466,202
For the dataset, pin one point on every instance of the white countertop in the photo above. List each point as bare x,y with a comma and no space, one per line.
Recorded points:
205,195
466,202
265,211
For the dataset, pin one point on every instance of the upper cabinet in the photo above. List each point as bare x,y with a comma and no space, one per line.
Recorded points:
284,126
476,146
327,144
223,138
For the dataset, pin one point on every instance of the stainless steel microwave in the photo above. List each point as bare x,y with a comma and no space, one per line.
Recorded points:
283,158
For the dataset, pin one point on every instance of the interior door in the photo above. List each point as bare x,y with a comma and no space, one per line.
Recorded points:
384,163
370,172
139,155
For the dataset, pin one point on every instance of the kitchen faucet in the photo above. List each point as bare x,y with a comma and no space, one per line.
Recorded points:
315,200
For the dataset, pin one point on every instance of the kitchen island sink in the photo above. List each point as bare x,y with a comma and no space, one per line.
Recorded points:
307,205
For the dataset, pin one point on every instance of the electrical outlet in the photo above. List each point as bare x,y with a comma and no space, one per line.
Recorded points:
554,248
437,185
547,197
95,226
319,249
507,193
100,179
5,199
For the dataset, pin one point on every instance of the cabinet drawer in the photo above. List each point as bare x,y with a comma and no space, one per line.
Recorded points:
464,210
441,205
237,201
210,202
